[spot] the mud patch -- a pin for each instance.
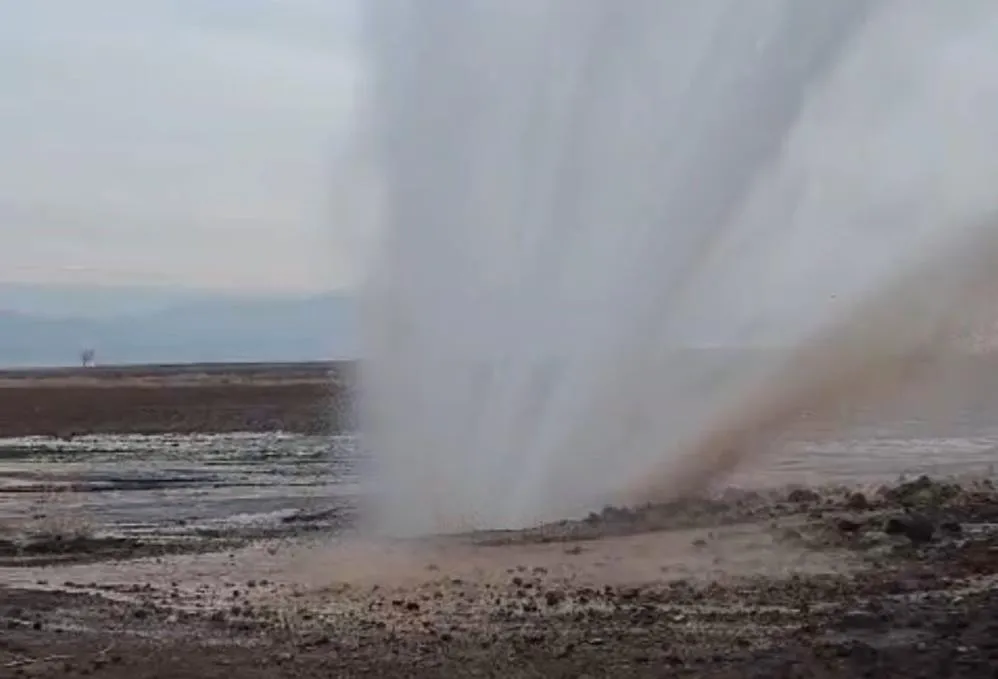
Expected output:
(795, 590)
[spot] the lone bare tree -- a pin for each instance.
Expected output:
(88, 358)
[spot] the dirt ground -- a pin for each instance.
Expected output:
(897, 581)
(894, 582)
(218, 398)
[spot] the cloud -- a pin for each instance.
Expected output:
(176, 141)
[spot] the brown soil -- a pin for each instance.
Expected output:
(303, 398)
(898, 583)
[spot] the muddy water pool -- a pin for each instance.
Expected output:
(171, 483)
(250, 482)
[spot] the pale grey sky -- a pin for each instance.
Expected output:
(179, 142)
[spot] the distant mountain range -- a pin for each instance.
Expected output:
(51, 325)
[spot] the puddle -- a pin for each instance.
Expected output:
(173, 484)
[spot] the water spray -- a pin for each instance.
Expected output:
(625, 244)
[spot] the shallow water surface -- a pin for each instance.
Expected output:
(174, 482)
(246, 482)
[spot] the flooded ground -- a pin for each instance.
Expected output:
(258, 484)
(132, 485)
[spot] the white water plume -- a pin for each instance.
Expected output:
(625, 241)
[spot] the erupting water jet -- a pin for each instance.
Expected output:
(625, 243)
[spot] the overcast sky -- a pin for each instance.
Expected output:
(179, 142)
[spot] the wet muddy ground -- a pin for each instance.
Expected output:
(179, 546)
(899, 582)
(173, 490)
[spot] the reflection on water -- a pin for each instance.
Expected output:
(184, 483)
(136, 483)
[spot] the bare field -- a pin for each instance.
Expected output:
(174, 374)
(206, 398)
(312, 397)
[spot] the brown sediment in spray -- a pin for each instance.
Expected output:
(892, 340)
